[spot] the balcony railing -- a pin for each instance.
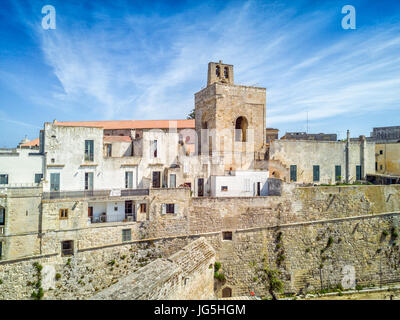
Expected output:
(94, 194)
(112, 218)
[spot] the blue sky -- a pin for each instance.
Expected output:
(116, 60)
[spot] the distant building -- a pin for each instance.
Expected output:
(387, 157)
(271, 134)
(310, 136)
(385, 134)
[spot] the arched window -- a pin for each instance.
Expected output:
(217, 71)
(226, 292)
(226, 72)
(240, 129)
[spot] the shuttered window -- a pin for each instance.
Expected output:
(126, 235)
(293, 173)
(338, 173)
(358, 172)
(89, 150)
(129, 179)
(169, 208)
(3, 178)
(315, 173)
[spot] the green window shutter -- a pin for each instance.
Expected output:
(293, 173)
(315, 173)
(358, 172)
(338, 173)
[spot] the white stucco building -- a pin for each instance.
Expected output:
(20, 167)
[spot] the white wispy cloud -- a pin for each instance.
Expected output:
(148, 66)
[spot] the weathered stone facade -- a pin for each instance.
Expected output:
(187, 275)
(361, 220)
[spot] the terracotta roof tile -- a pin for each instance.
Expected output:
(117, 139)
(33, 143)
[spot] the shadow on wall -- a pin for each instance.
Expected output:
(274, 187)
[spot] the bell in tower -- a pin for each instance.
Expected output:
(219, 72)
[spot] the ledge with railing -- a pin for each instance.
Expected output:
(94, 194)
(112, 218)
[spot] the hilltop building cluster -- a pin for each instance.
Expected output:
(83, 174)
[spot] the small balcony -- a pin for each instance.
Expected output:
(114, 193)
(103, 218)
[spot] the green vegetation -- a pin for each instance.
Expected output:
(190, 115)
(112, 262)
(273, 284)
(38, 284)
(58, 276)
(218, 275)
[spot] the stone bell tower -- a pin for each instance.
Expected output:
(219, 72)
(234, 113)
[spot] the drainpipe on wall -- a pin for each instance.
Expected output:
(347, 157)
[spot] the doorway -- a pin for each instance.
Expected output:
(200, 187)
(90, 213)
(226, 292)
(156, 179)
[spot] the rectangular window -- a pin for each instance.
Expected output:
(88, 180)
(170, 208)
(129, 210)
(172, 180)
(376, 166)
(126, 235)
(200, 187)
(129, 180)
(156, 179)
(132, 149)
(224, 188)
(90, 213)
(293, 173)
(63, 213)
(227, 235)
(154, 149)
(3, 178)
(2, 216)
(380, 151)
(338, 173)
(358, 172)
(89, 150)
(381, 167)
(67, 248)
(143, 208)
(1, 249)
(54, 182)
(108, 150)
(315, 173)
(38, 177)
